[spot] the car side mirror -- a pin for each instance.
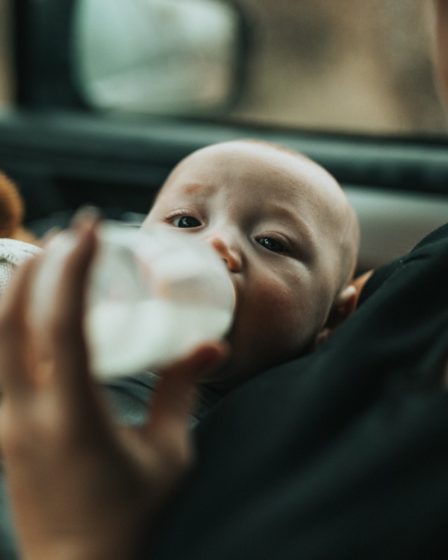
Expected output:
(158, 56)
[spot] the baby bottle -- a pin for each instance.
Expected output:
(152, 296)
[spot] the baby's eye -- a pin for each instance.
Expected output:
(185, 222)
(272, 244)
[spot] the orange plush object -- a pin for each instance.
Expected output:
(11, 212)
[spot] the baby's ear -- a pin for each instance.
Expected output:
(343, 306)
(347, 300)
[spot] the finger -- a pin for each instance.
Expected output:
(49, 236)
(15, 343)
(174, 396)
(67, 341)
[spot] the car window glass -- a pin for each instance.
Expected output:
(155, 55)
(350, 65)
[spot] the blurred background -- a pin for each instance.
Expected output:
(344, 65)
(5, 53)
(356, 64)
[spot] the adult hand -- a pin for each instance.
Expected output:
(81, 487)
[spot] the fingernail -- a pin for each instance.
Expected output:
(85, 216)
(49, 235)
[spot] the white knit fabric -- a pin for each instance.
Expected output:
(12, 254)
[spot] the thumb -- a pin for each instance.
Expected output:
(174, 398)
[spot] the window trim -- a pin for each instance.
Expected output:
(42, 34)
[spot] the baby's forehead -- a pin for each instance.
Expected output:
(258, 172)
(244, 162)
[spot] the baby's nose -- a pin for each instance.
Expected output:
(229, 255)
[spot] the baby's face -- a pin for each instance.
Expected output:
(275, 219)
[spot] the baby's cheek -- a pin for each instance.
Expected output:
(279, 309)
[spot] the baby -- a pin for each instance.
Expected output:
(288, 236)
(289, 239)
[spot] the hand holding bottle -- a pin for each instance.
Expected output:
(79, 486)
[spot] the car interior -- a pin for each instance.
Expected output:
(100, 99)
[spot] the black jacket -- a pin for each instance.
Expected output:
(342, 454)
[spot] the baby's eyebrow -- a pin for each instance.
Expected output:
(198, 188)
(283, 213)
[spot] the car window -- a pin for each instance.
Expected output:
(155, 55)
(350, 66)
